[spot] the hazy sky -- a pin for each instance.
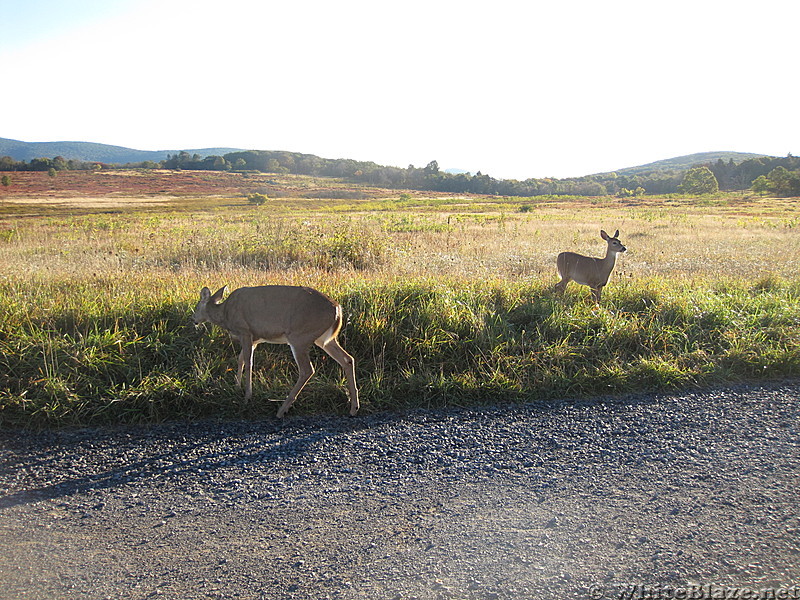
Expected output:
(513, 89)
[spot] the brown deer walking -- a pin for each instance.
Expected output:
(279, 314)
(587, 270)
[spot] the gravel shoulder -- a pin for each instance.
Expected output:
(580, 499)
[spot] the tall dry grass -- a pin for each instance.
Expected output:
(449, 302)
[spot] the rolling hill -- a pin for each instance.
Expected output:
(682, 163)
(90, 152)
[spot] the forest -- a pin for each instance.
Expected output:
(769, 175)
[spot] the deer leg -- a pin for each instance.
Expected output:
(565, 279)
(348, 364)
(240, 367)
(246, 366)
(305, 371)
(596, 292)
(240, 360)
(563, 269)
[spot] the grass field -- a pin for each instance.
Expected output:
(449, 299)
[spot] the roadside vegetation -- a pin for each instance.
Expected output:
(449, 299)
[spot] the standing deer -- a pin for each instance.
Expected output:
(279, 314)
(587, 270)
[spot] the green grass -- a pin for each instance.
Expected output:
(449, 302)
(103, 351)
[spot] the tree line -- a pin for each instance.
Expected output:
(777, 176)
(780, 176)
(59, 163)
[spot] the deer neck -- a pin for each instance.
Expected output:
(609, 261)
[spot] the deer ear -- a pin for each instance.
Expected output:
(616, 233)
(603, 235)
(205, 293)
(217, 297)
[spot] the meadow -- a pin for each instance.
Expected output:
(449, 300)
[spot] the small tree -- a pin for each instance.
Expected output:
(433, 168)
(699, 180)
(780, 182)
(6, 181)
(761, 184)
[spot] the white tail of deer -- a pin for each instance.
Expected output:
(279, 314)
(587, 270)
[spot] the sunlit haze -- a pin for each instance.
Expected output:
(512, 89)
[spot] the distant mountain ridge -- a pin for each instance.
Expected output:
(682, 163)
(91, 152)
(104, 153)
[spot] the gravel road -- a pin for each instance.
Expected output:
(623, 497)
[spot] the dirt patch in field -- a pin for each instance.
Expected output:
(131, 183)
(92, 203)
(128, 187)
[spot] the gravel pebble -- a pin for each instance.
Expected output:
(578, 499)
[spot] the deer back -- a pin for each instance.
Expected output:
(274, 312)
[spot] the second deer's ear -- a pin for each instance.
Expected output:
(217, 297)
(616, 233)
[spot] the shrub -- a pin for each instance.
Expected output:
(257, 199)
